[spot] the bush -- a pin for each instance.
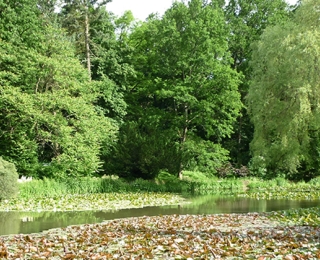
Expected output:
(196, 176)
(315, 181)
(165, 176)
(229, 171)
(8, 180)
(257, 167)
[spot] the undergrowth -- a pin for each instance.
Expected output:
(53, 187)
(193, 183)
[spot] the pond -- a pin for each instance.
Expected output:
(33, 222)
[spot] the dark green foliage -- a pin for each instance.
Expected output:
(142, 153)
(185, 96)
(111, 64)
(74, 15)
(8, 179)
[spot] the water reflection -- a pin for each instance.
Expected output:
(32, 222)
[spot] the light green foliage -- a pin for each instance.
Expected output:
(8, 180)
(24, 14)
(315, 181)
(50, 125)
(301, 217)
(110, 60)
(257, 167)
(197, 176)
(184, 83)
(95, 201)
(52, 120)
(164, 176)
(284, 94)
(247, 19)
(204, 156)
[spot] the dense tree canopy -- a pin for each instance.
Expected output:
(247, 20)
(284, 95)
(185, 86)
(49, 123)
(85, 92)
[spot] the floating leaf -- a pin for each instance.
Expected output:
(227, 236)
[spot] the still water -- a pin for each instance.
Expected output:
(34, 222)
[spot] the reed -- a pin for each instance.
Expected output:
(87, 185)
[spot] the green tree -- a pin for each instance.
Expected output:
(247, 20)
(284, 95)
(185, 86)
(50, 126)
(111, 60)
(142, 151)
(25, 14)
(76, 18)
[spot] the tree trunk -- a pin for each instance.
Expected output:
(87, 37)
(183, 140)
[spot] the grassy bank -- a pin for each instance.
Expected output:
(108, 193)
(111, 193)
(53, 187)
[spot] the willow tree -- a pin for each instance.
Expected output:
(284, 96)
(247, 20)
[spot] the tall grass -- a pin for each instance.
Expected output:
(52, 187)
(192, 184)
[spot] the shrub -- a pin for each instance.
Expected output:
(229, 171)
(165, 176)
(196, 176)
(315, 181)
(8, 179)
(146, 185)
(257, 167)
(281, 182)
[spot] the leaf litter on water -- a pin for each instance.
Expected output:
(224, 236)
